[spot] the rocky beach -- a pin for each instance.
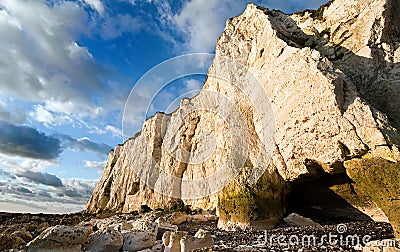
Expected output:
(45, 232)
(291, 145)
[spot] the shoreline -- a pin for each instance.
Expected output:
(27, 226)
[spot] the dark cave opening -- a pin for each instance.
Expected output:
(325, 199)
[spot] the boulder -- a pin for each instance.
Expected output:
(164, 226)
(60, 238)
(295, 219)
(10, 241)
(103, 241)
(198, 218)
(202, 239)
(211, 217)
(378, 179)
(178, 218)
(136, 240)
(158, 247)
(172, 241)
(24, 234)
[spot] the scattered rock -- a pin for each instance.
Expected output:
(198, 218)
(211, 217)
(25, 235)
(171, 241)
(164, 226)
(144, 224)
(295, 219)
(107, 240)
(60, 238)
(158, 247)
(10, 241)
(178, 218)
(386, 245)
(202, 239)
(136, 240)
(166, 238)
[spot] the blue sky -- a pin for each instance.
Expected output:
(66, 70)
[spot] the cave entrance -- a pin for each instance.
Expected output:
(325, 198)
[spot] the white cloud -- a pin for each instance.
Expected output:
(42, 62)
(16, 163)
(94, 164)
(114, 131)
(97, 5)
(48, 118)
(193, 85)
(203, 21)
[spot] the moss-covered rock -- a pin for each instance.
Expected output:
(178, 205)
(244, 205)
(378, 179)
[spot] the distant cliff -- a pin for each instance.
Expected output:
(330, 99)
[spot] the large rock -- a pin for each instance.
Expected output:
(10, 241)
(60, 238)
(103, 241)
(178, 218)
(136, 240)
(202, 239)
(294, 219)
(171, 240)
(326, 87)
(378, 179)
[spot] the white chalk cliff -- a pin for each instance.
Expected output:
(324, 89)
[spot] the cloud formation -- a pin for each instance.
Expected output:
(97, 5)
(84, 144)
(42, 62)
(41, 178)
(94, 164)
(27, 142)
(21, 196)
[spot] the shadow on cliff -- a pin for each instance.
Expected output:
(367, 74)
(323, 199)
(313, 196)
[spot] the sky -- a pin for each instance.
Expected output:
(66, 71)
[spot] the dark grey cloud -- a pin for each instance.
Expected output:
(27, 142)
(69, 193)
(72, 195)
(41, 178)
(84, 144)
(22, 189)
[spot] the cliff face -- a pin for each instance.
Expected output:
(324, 90)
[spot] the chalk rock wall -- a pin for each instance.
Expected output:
(288, 98)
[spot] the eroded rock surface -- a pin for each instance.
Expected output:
(60, 238)
(331, 78)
